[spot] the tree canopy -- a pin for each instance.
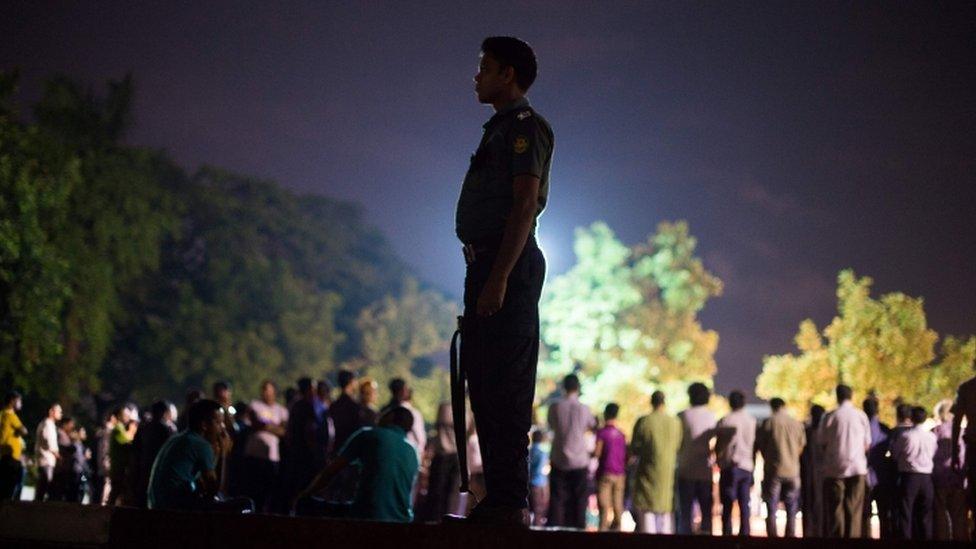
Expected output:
(625, 319)
(125, 276)
(879, 346)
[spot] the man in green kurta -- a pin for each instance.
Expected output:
(656, 439)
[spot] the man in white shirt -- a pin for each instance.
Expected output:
(401, 394)
(46, 451)
(262, 451)
(735, 440)
(913, 451)
(695, 461)
(845, 436)
(569, 420)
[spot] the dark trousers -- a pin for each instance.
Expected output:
(568, 496)
(259, 481)
(915, 495)
(442, 486)
(11, 478)
(500, 353)
(844, 502)
(786, 490)
(691, 492)
(882, 495)
(734, 485)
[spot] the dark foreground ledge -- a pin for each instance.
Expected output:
(70, 525)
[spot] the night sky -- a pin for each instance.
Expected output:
(796, 139)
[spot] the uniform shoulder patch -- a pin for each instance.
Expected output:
(523, 115)
(521, 144)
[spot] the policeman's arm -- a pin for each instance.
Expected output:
(517, 228)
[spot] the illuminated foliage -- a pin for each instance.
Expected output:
(399, 336)
(625, 319)
(877, 346)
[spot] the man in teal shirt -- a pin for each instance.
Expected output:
(388, 466)
(183, 475)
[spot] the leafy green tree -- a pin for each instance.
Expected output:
(35, 276)
(625, 319)
(99, 215)
(882, 347)
(401, 335)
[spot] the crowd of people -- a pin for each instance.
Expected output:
(839, 468)
(312, 454)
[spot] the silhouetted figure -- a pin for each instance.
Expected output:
(655, 443)
(965, 409)
(569, 420)
(949, 520)
(734, 448)
(811, 471)
(695, 461)
(913, 451)
(304, 454)
(611, 472)
(505, 188)
(401, 395)
(262, 450)
(845, 436)
(389, 469)
(881, 474)
(538, 480)
(12, 431)
(148, 440)
(46, 451)
(781, 439)
(184, 475)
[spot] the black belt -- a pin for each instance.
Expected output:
(488, 244)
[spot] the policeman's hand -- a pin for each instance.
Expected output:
(492, 296)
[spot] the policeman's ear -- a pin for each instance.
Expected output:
(508, 74)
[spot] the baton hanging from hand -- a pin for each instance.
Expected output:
(458, 408)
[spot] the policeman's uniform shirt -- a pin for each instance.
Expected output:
(516, 141)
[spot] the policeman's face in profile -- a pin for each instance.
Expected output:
(492, 81)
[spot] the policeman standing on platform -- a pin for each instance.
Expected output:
(504, 191)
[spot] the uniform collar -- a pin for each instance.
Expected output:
(519, 103)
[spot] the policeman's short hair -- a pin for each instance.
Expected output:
(512, 52)
(698, 394)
